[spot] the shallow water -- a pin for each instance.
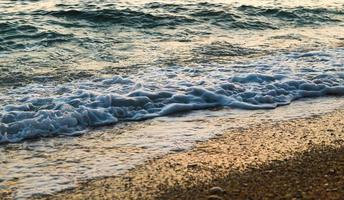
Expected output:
(45, 110)
(52, 164)
(71, 68)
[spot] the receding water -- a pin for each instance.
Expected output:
(52, 164)
(71, 68)
(45, 110)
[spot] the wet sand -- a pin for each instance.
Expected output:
(300, 158)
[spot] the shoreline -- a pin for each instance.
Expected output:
(158, 100)
(232, 160)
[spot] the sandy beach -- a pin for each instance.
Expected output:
(294, 159)
(158, 99)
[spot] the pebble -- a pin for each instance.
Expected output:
(214, 197)
(332, 171)
(216, 190)
(192, 165)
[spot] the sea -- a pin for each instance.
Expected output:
(94, 88)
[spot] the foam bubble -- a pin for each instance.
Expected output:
(48, 110)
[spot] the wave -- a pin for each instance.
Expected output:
(266, 84)
(18, 36)
(152, 15)
(68, 115)
(125, 17)
(298, 15)
(37, 27)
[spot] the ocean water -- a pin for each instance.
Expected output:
(75, 68)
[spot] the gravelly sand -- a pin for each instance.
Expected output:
(301, 158)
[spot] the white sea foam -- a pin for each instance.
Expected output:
(49, 110)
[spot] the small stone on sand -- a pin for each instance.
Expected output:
(214, 197)
(216, 190)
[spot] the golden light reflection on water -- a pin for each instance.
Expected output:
(265, 41)
(53, 164)
(159, 50)
(101, 150)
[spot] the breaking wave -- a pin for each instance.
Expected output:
(265, 84)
